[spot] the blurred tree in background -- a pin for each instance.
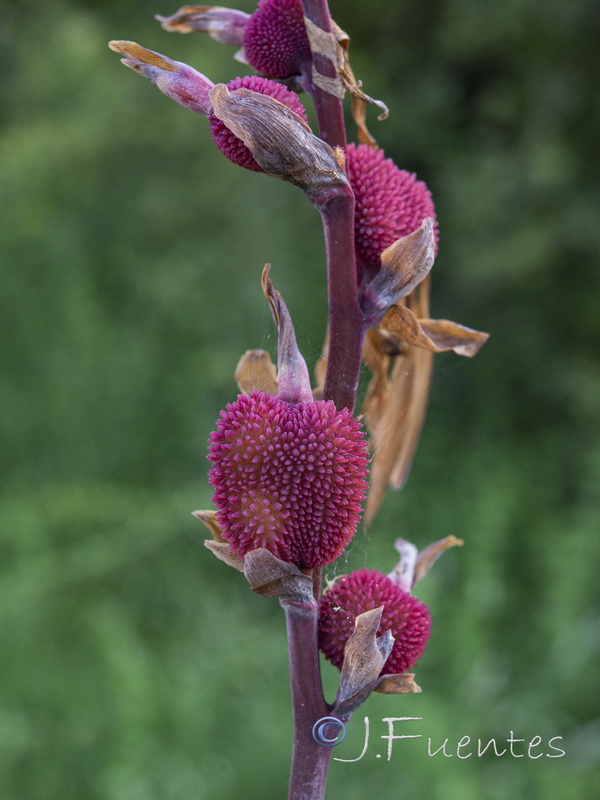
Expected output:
(132, 664)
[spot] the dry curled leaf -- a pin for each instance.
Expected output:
(402, 683)
(209, 518)
(430, 555)
(354, 86)
(438, 336)
(334, 49)
(256, 372)
(364, 656)
(447, 335)
(222, 551)
(321, 369)
(396, 401)
(394, 411)
(217, 545)
(358, 109)
(399, 353)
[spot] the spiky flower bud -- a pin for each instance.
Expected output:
(406, 617)
(288, 477)
(390, 203)
(229, 144)
(275, 40)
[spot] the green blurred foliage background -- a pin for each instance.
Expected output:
(133, 664)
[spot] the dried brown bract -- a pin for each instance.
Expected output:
(399, 353)
(256, 372)
(364, 657)
(280, 141)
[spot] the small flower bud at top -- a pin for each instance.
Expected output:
(407, 618)
(275, 40)
(178, 81)
(390, 203)
(288, 477)
(229, 144)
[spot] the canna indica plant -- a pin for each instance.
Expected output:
(291, 463)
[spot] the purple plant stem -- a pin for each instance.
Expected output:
(346, 323)
(310, 761)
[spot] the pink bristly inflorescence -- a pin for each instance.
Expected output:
(287, 477)
(227, 142)
(407, 618)
(390, 202)
(275, 40)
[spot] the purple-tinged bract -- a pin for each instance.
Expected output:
(275, 40)
(390, 202)
(288, 477)
(229, 144)
(404, 615)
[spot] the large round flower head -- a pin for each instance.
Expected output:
(406, 617)
(227, 142)
(275, 40)
(288, 477)
(390, 202)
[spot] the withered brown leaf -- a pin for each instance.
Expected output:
(402, 683)
(394, 412)
(223, 552)
(280, 141)
(208, 517)
(364, 656)
(399, 353)
(436, 335)
(335, 47)
(430, 554)
(256, 372)
(272, 577)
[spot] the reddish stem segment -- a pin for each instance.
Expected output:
(346, 323)
(310, 761)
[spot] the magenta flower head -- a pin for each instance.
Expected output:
(390, 203)
(406, 617)
(275, 40)
(289, 477)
